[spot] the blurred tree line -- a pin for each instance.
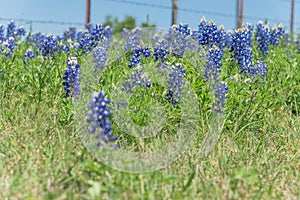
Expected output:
(129, 23)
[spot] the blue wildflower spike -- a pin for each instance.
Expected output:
(161, 50)
(209, 34)
(242, 49)
(70, 33)
(261, 70)
(92, 37)
(276, 33)
(98, 32)
(133, 38)
(176, 82)
(11, 28)
(221, 91)
(29, 54)
(20, 31)
(100, 54)
(263, 37)
(212, 73)
(180, 39)
(203, 32)
(86, 42)
(2, 36)
(213, 64)
(98, 117)
(136, 53)
(48, 45)
(71, 77)
(8, 47)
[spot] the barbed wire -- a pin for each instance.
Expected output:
(290, 1)
(170, 7)
(194, 10)
(29, 21)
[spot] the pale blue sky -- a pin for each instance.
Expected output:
(222, 12)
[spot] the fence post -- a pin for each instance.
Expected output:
(292, 17)
(88, 13)
(174, 11)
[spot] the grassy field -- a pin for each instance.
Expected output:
(257, 155)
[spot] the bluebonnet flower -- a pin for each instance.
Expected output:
(161, 50)
(249, 33)
(137, 79)
(176, 82)
(108, 32)
(263, 37)
(48, 45)
(35, 38)
(71, 77)
(195, 34)
(8, 47)
(11, 27)
(98, 32)
(29, 54)
(59, 39)
(213, 64)
(70, 33)
(221, 91)
(222, 40)
(184, 29)
(100, 54)
(65, 48)
(229, 40)
(136, 54)
(203, 32)
(93, 37)
(20, 31)
(180, 38)
(2, 37)
(276, 33)
(89, 40)
(213, 33)
(260, 69)
(86, 42)
(98, 117)
(133, 38)
(170, 97)
(146, 51)
(135, 58)
(208, 34)
(79, 35)
(89, 28)
(242, 49)
(212, 73)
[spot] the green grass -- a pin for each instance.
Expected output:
(256, 157)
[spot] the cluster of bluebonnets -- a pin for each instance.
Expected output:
(179, 39)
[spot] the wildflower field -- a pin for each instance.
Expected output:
(177, 113)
